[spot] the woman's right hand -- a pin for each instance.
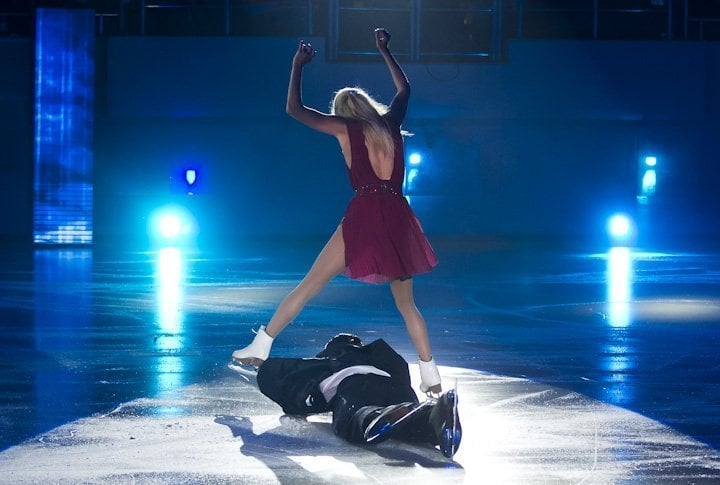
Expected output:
(303, 55)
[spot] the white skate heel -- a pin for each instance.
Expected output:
(429, 377)
(257, 352)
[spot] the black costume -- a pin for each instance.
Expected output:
(365, 405)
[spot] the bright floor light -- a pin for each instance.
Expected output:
(620, 227)
(171, 224)
(415, 158)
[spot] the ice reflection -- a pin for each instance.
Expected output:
(169, 280)
(616, 353)
(619, 286)
(63, 305)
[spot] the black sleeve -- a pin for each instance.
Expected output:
(384, 357)
(379, 354)
(293, 384)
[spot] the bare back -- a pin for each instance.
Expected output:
(381, 164)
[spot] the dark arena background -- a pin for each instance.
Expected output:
(158, 203)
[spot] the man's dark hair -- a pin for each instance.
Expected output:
(339, 343)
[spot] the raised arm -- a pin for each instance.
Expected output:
(332, 125)
(399, 104)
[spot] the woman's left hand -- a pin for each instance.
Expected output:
(382, 37)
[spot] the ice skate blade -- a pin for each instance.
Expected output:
(244, 369)
(383, 425)
(248, 361)
(433, 391)
(451, 435)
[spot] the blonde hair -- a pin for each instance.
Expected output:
(357, 104)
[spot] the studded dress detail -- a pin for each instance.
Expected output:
(383, 237)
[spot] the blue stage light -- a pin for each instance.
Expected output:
(649, 181)
(620, 228)
(415, 158)
(63, 154)
(411, 176)
(190, 176)
(172, 224)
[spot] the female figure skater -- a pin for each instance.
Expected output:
(379, 239)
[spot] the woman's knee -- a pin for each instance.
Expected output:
(406, 306)
(306, 290)
(402, 294)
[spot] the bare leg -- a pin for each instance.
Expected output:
(329, 263)
(403, 293)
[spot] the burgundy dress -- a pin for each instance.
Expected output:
(383, 238)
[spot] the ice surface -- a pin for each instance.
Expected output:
(515, 431)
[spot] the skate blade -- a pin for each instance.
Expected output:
(243, 369)
(249, 361)
(370, 437)
(452, 436)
